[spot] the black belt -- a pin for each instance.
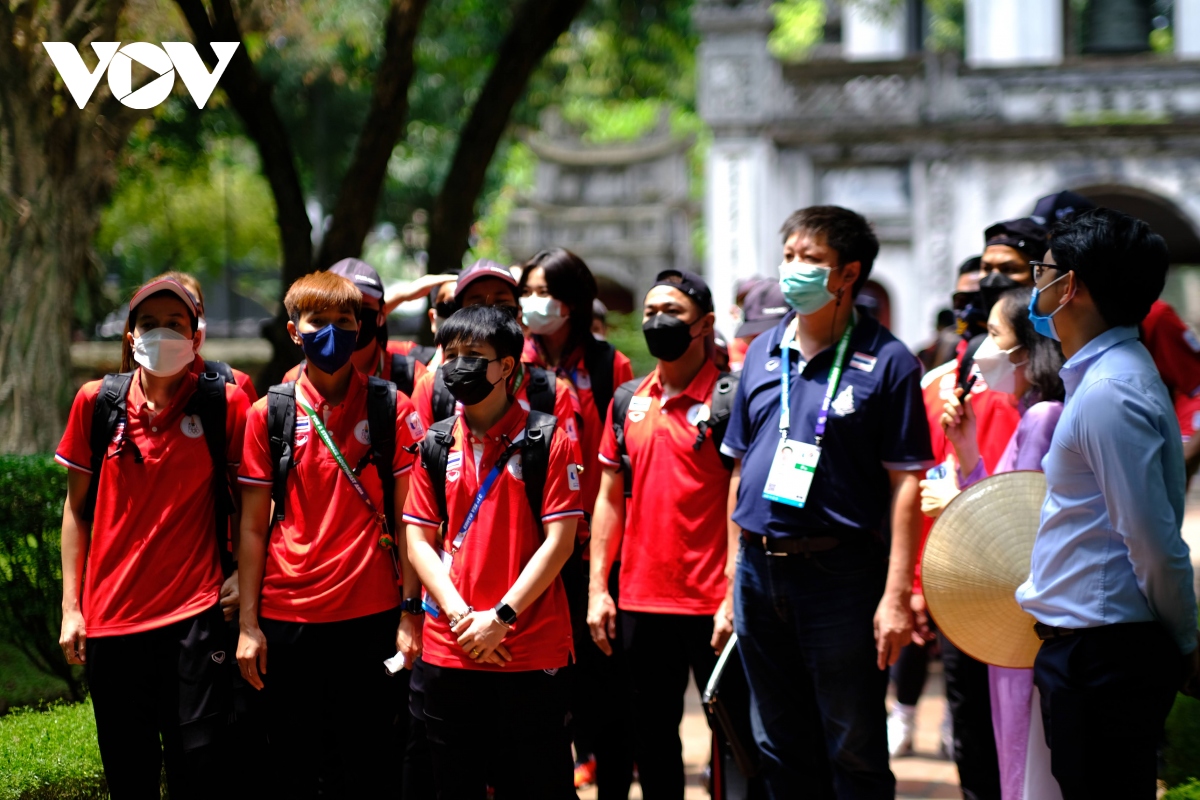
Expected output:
(1048, 632)
(790, 545)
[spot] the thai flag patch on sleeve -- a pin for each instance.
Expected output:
(863, 361)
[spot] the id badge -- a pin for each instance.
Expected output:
(427, 602)
(792, 472)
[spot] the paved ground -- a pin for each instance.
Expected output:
(921, 776)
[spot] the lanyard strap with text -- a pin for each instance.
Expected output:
(385, 541)
(481, 495)
(835, 377)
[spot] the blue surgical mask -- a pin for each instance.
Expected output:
(329, 348)
(803, 286)
(1044, 323)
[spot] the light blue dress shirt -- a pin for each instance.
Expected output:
(1109, 548)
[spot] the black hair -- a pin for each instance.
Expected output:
(1119, 258)
(971, 265)
(571, 283)
(945, 318)
(1045, 356)
(483, 324)
(847, 233)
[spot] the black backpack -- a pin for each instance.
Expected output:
(208, 403)
(535, 459)
(402, 371)
(423, 353)
(717, 422)
(222, 369)
(598, 357)
(540, 393)
(381, 423)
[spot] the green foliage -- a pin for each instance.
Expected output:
(625, 334)
(1185, 791)
(799, 25)
(51, 754)
(1182, 751)
(23, 684)
(947, 26)
(32, 489)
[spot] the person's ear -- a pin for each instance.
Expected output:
(850, 273)
(294, 334)
(1071, 287)
(512, 366)
(196, 341)
(706, 324)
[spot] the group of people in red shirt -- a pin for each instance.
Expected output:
(415, 589)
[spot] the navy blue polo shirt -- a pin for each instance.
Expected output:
(877, 422)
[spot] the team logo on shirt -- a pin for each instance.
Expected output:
(303, 426)
(119, 431)
(219, 657)
(569, 427)
(453, 466)
(514, 467)
(698, 413)
(191, 427)
(573, 477)
(415, 429)
(583, 380)
(863, 361)
(636, 416)
(772, 364)
(362, 432)
(844, 404)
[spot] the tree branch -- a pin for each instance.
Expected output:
(535, 28)
(354, 212)
(250, 96)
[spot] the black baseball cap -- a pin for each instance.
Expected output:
(763, 308)
(1023, 234)
(1056, 207)
(362, 275)
(690, 284)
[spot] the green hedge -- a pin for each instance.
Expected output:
(46, 755)
(1182, 752)
(32, 491)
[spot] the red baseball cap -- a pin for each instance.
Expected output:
(165, 285)
(483, 268)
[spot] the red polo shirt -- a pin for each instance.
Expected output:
(324, 562)
(1174, 347)
(152, 559)
(675, 541)
(591, 418)
(244, 384)
(500, 543)
(393, 348)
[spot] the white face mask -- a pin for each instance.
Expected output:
(994, 365)
(163, 352)
(542, 315)
(202, 329)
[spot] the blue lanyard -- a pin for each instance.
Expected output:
(481, 495)
(785, 383)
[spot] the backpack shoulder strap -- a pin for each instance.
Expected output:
(719, 412)
(423, 353)
(402, 372)
(620, 403)
(535, 459)
(435, 451)
(222, 369)
(208, 403)
(381, 425)
(108, 412)
(441, 401)
(598, 357)
(281, 430)
(541, 390)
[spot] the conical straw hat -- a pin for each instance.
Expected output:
(975, 558)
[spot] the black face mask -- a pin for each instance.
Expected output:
(667, 337)
(466, 379)
(369, 329)
(993, 285)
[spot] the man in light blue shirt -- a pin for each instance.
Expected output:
(1111, 583)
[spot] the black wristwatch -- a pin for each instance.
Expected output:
(412, 606)
(505, 613)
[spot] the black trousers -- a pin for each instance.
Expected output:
(970, 701)
(507, 730)
(909, 673)
(330, 707)
(1106, 693)
(164, 695)
(660, 650)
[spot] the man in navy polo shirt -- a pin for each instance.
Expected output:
(830, 428)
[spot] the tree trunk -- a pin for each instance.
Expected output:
(535, 28)
(56, 171)
(354, 212)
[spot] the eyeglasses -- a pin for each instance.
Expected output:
(1040, 267)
